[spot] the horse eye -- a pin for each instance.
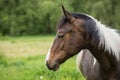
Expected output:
(60, 35)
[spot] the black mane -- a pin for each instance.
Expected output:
(63, 20)
(81, 15)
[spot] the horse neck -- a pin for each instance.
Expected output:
(104, 58)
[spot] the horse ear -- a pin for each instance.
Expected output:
(68, 15)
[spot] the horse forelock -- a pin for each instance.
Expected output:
(60, 24)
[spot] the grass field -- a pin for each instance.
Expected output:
(22, 58)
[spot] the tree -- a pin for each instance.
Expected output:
(23, 17)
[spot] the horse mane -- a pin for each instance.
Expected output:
(63, 20)
(106, 37)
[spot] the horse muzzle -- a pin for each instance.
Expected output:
(52, 66)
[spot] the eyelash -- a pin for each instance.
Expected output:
(60, 35)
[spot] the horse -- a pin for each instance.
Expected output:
(97, 46)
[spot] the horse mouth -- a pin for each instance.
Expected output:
(55, 67)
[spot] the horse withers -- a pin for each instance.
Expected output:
(98, 47)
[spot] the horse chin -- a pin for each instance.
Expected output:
(56, 68)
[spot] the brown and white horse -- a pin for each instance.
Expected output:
(99, 47)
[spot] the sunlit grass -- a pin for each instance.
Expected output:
(33, 68)
(25, 46)
(30, 65)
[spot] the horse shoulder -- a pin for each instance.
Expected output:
(88, 65)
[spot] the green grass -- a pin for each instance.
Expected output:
(33, 67)
(25, 46)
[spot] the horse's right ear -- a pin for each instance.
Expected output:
(68, 15)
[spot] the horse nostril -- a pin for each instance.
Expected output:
(47, 65)
(53, 66)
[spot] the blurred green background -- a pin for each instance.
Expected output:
(23, 58)
(34, 17)
(27, 29)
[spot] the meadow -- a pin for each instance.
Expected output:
(23, 58)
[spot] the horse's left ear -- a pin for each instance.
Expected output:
(68, 15)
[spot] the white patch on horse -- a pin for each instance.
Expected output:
(48, 55)
(94, 62)
(79, 58)
(109, 38)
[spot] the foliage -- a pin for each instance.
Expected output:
(32, 17)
